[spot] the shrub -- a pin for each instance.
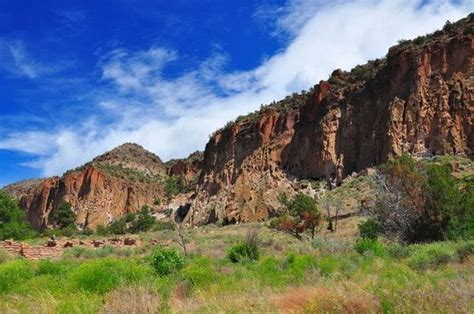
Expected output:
(102, 230)
(247, 251)
(369, 229)
(243, 252)
(64, 216)
(163, 225)
(420, 202)
(118, 226)
(364, 246)
(166, 261)
(13, 223)
(143, 222)
(302, 213)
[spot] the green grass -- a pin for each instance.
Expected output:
(327, 275)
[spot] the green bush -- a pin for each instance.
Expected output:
(166, 261)
(163, 225)
(424, 203)
(364, 246)
(243, 252)
(118, 226)
(13, 223)
(143, 222)
(64, 216)
(369, 229)
(433, 255)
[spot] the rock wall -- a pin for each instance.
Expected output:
(419, 100)
(96, 197)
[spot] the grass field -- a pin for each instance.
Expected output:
(325, 275)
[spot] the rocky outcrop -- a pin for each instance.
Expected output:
(120, 181)
(418, 100)
(189, 168)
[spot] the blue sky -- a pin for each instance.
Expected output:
(78, 78)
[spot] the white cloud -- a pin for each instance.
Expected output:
(173, 116)
(16, 60)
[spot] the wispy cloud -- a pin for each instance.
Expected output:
(16, 60)
(172, 116)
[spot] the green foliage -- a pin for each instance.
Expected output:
(422, 202)
(243, 252)
(143, 222)
(175, 185)
(64, 216)
(301, 213)
(431, 256)
(200, 273)
(130, 174)
(102, 230)
(365, 246)
(369, 229)
(103, 275)
(118, 226)
(247, 251)
(398, 251)
(164, 225)
(13, 223)
(166, 261)
(14, 273)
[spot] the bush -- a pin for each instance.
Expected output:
(64, 216)
(433, 255)
(166, 261)
(302, 213)
(364, 246)
(247, 251)
(143, 222)
(243, 252)
(369, 229)
(118, 226)
(13, 223)
(422, 202)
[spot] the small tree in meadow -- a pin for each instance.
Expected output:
(301, 214)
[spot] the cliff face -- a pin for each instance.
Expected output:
(120, 181)
(419, 100)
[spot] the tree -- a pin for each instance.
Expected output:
(13, 223)
(301, 214)
(64, 216)
(419, 202)
(144, 221)
(170, 188)
(331, 203)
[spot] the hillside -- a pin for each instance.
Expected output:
(416, 100)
